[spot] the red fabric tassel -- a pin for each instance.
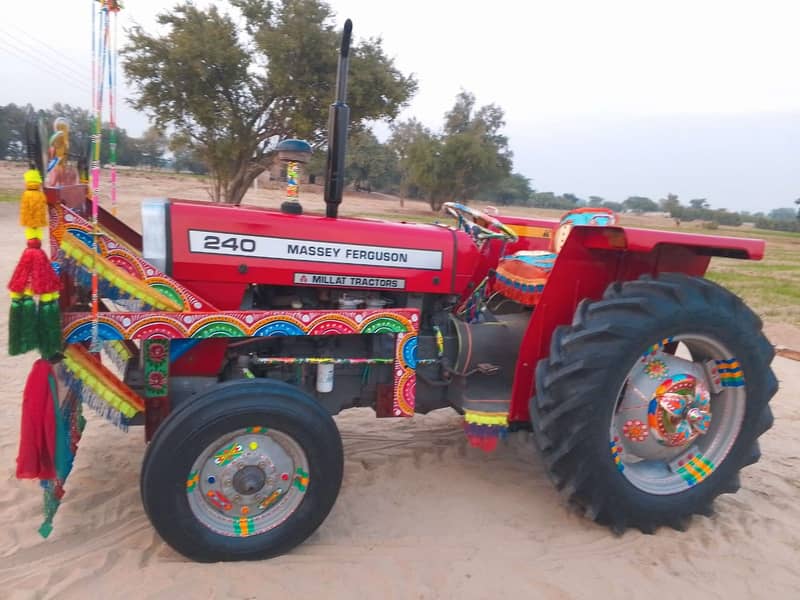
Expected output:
(37, 439)
(34, 271)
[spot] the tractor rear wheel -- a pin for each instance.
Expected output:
(247, 470)
(652, 401)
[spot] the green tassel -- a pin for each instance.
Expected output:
(46, 529)
(51, 503)
(27, 325)
(15, 327)
(49, 328)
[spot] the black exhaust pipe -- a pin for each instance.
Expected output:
(338, 119)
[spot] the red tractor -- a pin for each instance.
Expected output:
(238, 331)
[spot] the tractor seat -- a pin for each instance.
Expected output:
(522, 276)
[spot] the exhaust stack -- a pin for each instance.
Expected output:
(338, 120)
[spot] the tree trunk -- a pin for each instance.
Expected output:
(241, 181)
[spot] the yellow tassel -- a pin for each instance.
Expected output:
(33, 207)
(34, 232)
(474, 417)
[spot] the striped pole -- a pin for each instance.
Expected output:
(112, 101)
(102, 40)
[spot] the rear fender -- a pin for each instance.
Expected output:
(593, 258)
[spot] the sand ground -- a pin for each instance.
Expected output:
(420, 515)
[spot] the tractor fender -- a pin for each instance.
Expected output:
(594, 257)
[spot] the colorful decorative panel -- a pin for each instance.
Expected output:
(63, 220)
(401, 323)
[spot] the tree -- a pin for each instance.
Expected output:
(152, 146)
(550, 200)
(670, 203)
(404, 135)
(513, 189)
(13, 142)
(798, 208)
(422, 167)
(782, 214)
(596, 201)
(615, 206)
(12, 131)
(470, 155)
(370, 164)
(699, 203)
(269, 78)
(639, 204)
(184, 158)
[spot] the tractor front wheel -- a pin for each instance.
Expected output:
(652, 401)
(247, 470)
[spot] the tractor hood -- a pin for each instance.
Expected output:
(218, 250)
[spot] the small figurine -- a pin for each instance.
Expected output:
(60, 174)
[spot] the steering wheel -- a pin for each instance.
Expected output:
(477, 223)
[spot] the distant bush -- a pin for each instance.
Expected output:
(551, 200)
(720, 216)
(778, 225)
(615, 206)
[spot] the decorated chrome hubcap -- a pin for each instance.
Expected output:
(248, 482)
(677, 415)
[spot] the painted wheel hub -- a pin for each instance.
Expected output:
(679, 411)
(662, 434)
(665, 407)
(248, 482)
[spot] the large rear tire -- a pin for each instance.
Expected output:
(247, 470)
(635, 435)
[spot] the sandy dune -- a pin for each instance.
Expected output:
(420, 515)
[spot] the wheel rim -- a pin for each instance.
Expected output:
(248, 482)
(677, 417)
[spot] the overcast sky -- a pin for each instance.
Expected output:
(615, 98)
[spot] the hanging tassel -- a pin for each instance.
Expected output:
(37, 440)
(49, 325)
(68, 429)
(29, 328)
(26, 325)
(16, 338)
(34, 271)
(53, 492)
(485, 429)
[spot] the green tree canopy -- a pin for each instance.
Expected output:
(512, 189)
(782, 214)
(669, 203)
(12, 131)
(131, 151)
(611, 205)
(699, 203)
(639, 204)
(370, 165)
(596, 200)
(471, 155)
(269, 74)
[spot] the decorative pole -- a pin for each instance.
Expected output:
(113, 8)
(102, 61)
(294, 153)
(102, 40)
